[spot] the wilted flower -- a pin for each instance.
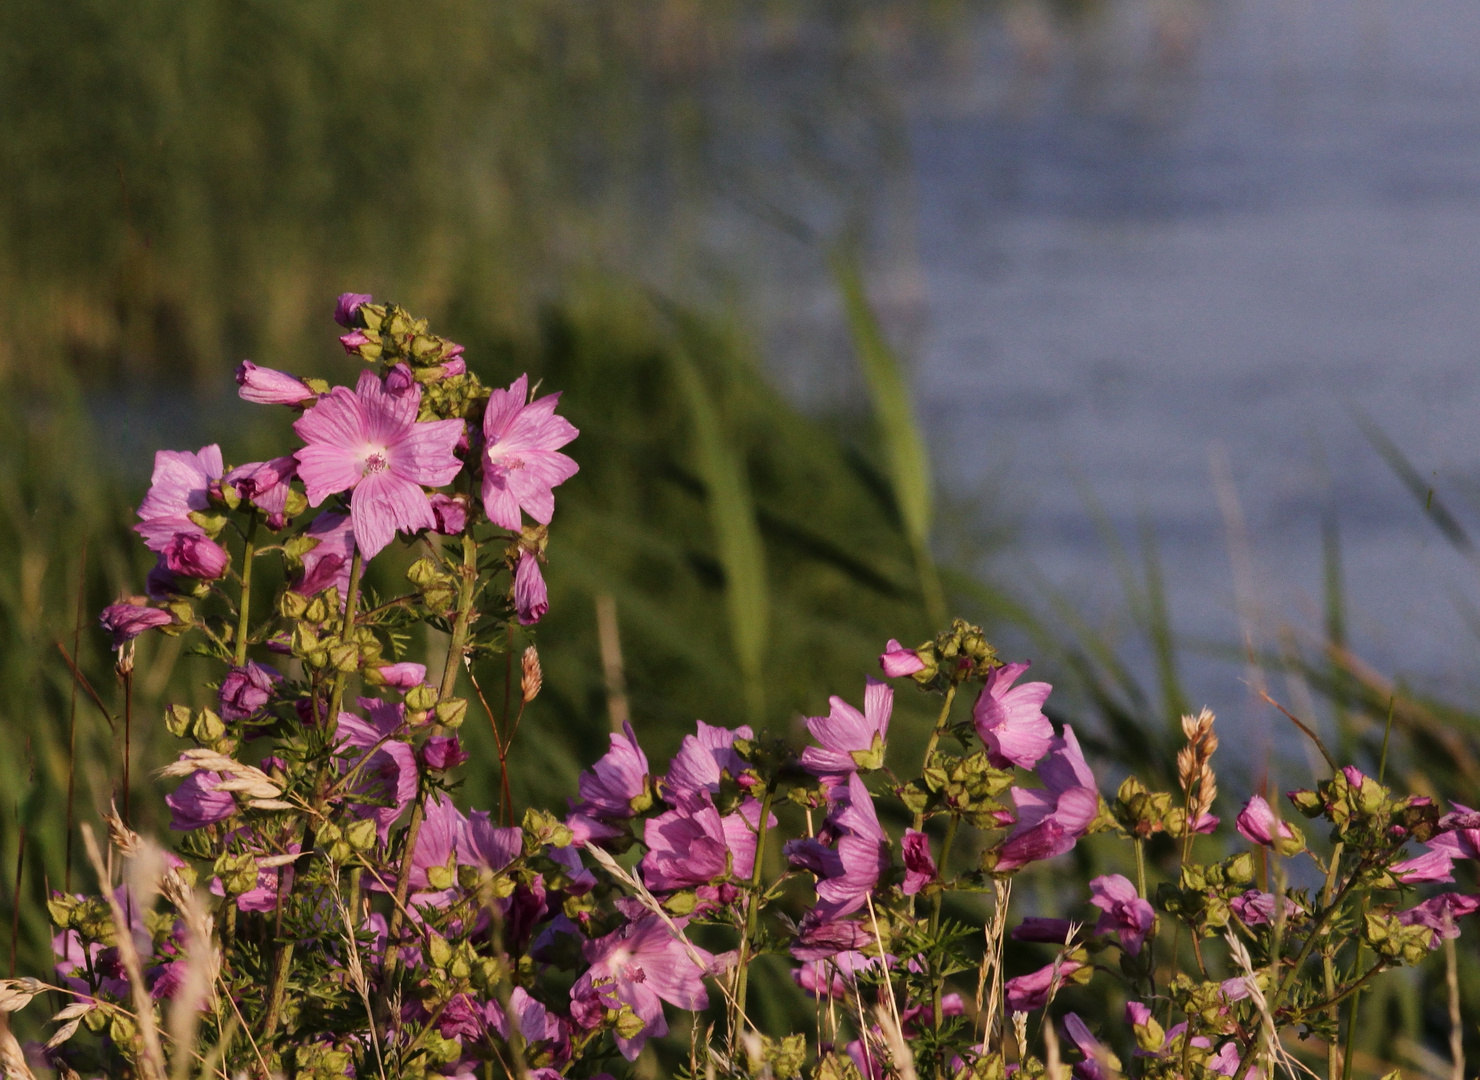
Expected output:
(919, 864)
(617, 786)
(442, 752)
(196, 803)
(195, 555)
(521, 464)
(1010, 718)
(451, 514)
(369, 442)
(329, 562)
(129, 618)
(266, 485)
(531, 600)
(347, 307)
(1441, 914)
(264, 386)
(1126, 913)
(1256, 908)
(1038, 928)
(245, 690)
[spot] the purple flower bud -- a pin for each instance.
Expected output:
(443, 752)
(1029, 992)
(161, 584)
(919, 865)
(531, 600)
(403, 676)
(129, 618)
(1256, 823)
(347, 307)
(451, 367)
(897, 661)
(451, 514)
(1441, 914)
(196, 803)
(265, 386)
(245, 690)
(353, 340)
(1137, 1014)
(1038, 928)
(1126, 914)
(1256, 908)
(399, 380)
(196, 556)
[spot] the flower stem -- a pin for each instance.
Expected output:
(752, 911)
(244, 607)
(455, 650)
(939, 980)
(346, 626)
(935, 734)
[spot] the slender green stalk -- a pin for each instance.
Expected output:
(455, 650)
(244, 607)
(939, 980)
(752, 912)
(282, 961)
(935, 734)
(1328, 967)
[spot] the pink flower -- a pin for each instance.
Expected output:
(1461, 836)
(1010, 719)
(1126, 914)
(403, 676)
(702, 761)
(848, 873)
(531, 599)
(695, 846)
(919, 864)
(266, 485)
(821, 938)
(1095, 1052)
(1441, 914)
(617, 786)
(1430, 866)
(521, 465)
(835, 977)
(180, 484)
(451, 514)
(1029, 992)
(1256, 823)
(641, 965)
(264, 386)
(388, 781)
(897, 661)
(129, 618)
(245, 690)
(1256, 908)
(442, 752)
(850, 739)
(1051, 819)
(196, 803)
(357, 340)
(347, 307)
(369, 442)
(195, 555)
(329, 561)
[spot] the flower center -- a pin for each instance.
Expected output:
(375, 462)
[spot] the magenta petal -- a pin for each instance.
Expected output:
(383, 503)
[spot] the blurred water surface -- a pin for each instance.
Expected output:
(1171, 233)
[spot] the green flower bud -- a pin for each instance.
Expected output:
(177, 720)
(452, 712)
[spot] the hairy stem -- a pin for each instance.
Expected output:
(938, 981)
(935, 734)
(244, 606)
(752, 912)
(455, 650)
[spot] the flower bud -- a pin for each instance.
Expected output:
(443, 752)
(265, 386)
(193, 555)
(897, 661)
(451, 514)
(531, 599)
(347, 308)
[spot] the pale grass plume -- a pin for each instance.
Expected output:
(531, 677)
(252, 783)
(1053, 1062)
(1272, 1051)
(12, 1059)
(899, 1050)
(1194, 764)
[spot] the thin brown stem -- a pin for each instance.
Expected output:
(935, 733)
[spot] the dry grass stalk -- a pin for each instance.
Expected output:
(1053, 1062)
(1456, 1022)
(151, 1057)
(261, 793)
(1194, 764)
(12, 1059)
(899, 1051)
